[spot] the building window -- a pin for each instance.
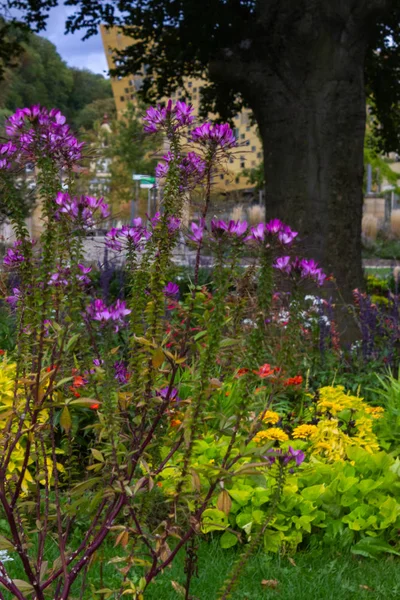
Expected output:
(179, 93)
(131, 82)
(253, 148)
(122, 98)
(109, 51)
(132, 96)
(221, 176)
(242, 164)
(190, 84)
(248, 128)
(242, 136)
(195, 89)
(247, 142)
(126, 90)
(259, 154)
(253, 163)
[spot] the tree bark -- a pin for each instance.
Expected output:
(302, 74)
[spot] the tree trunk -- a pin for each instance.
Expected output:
(302, 74)
(313, 162)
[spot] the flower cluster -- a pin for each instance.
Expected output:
(99, 311)
(82, 208)
(191, 169)
(35, 133)
(216, 136)
(265, 233)
(14, 257)
(171, 290)
(122, 374)
(62, 276)
(168, 118)
(303, 267)
(128, 237)
(232, 228)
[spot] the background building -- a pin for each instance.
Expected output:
(249, 152)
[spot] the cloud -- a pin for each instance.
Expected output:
(88, 54)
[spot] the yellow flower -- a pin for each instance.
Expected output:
(375, 411)
(271, 417)
(271, 434)
(304, 431)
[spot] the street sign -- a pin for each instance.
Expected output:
(144, 178)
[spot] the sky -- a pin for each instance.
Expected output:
(76, 53)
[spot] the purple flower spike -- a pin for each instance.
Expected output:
(121, 372)
(171, 290)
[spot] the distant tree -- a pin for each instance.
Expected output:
(131, 151)
(92, 113)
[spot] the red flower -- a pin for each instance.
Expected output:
(2, 352)
(266, 371)
(74, 392)
(94, 406)
(241, 372)
(79, 381)
(298, 380)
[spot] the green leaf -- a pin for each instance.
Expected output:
(372, 547)
(214, 520)
(228, 540)
(23, 586)
(65, 419)
(272, 540)
(242, 497)
(6, 544)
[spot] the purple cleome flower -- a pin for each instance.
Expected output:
(197, 231)
(36, 132)
(84, 277)
(13, 300)
(218, 136)
(192, 168)
(264, 232)
(13, 257)
(168, 118)
(305, 268)
(171, 290)
(128, 237)
(98, 311)
(283, 264)
(83, 207)
(232, 228)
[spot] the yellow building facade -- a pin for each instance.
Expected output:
(248, 154)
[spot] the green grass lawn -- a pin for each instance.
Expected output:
(313, 575)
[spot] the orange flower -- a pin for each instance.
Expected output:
(298, 380)
(94, 406)
(176, 422)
